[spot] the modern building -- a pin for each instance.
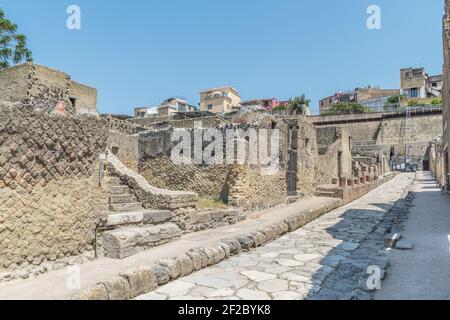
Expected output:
(368, 96)
(415, 83)
(260, 104)
(219, 100)
(169, 107)
(145, 112)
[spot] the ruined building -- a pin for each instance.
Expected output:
(43, 88)
(75, 186)
(439, 149)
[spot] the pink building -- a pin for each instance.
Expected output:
(262, 104)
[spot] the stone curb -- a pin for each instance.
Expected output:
(128, 285)
(145, 279)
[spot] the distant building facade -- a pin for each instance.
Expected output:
(169, 107)
(371, 97)
(145, 112)
(415, 83)
(220, 100)
(260, 104)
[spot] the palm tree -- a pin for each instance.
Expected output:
(13, 48)
(298, 105)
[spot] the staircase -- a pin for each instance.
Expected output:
(122, 199)
(130, 228)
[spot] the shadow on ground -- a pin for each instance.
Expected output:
(343, 275)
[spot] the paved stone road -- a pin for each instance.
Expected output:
(326, 259)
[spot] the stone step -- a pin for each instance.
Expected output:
(124, 207)
(115, 181)
(146, 216)
(124, 242)
(122, 198)
(120, 189)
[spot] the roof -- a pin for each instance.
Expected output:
(219, 88)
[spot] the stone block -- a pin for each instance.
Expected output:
(202, 217)
(233, 244)
(217, 215)
(124, 242)
(124, 218)
(210, 256)
(246, 241)
(172, 265)
(404, 245)
(260, 239)
(268, 232)
(97, 292)
(157, 216)
(222, 253)
(391, 239)
(141, 280)
(226, 248)
(231, 213)
(118, 288)
(186, 265)
(162, 274)
(196, 258)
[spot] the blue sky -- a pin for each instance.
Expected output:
(139, 52)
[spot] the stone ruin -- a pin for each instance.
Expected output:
(75, 186)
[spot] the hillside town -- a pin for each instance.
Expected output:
(224, 198)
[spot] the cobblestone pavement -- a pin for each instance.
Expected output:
(326, 259)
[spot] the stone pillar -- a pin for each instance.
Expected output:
(343, 182)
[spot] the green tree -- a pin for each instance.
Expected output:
(298, 105)
(345, 108)
(395, 99)
(13, 45)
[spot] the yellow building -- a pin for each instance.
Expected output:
(219, 100)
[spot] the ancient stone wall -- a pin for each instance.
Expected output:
(85, 98)
(179, 122)
(46, 89)
(307, 158)
(362, 131)
(244, 186)
(335, 154)
(253, 189)
(125, 147)
(446, 95)
(50, 199)
(13, 84)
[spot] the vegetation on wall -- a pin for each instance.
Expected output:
(396, 99)
(346, 108)
(298, 105)
(13, 45)
(436, 102)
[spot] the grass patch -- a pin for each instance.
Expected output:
(205, 203)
